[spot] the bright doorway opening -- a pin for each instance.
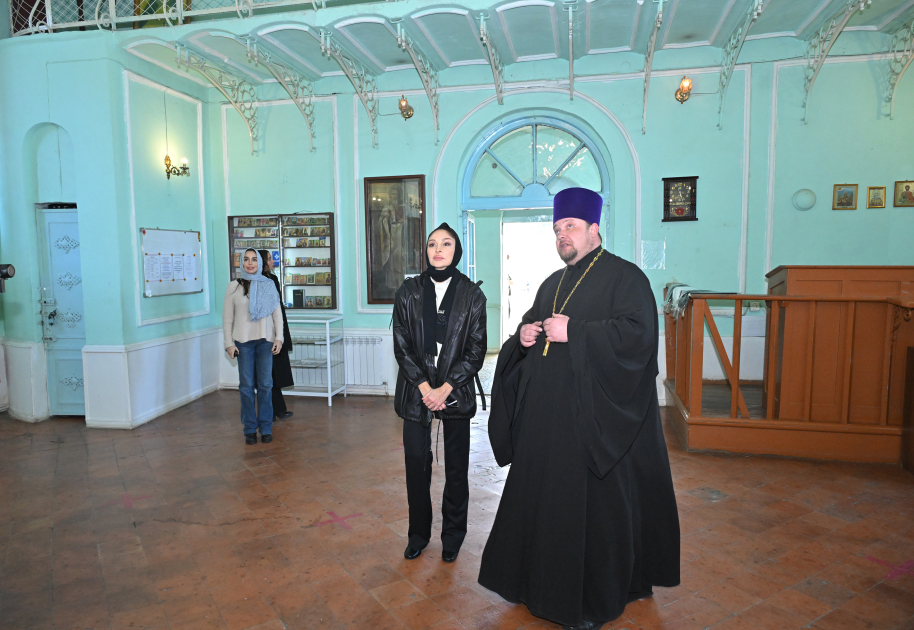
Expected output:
(528, 258)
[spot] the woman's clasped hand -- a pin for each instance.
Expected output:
(435, 399)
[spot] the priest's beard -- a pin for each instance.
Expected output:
(572, 252)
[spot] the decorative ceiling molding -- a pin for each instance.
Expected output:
(674, 4)
(818, 46)
(428, 74)
(196, 41)
(267, 35)
(133, 47)
(902, 50)
(523, 4)
(498, 69)
(720, 23)
(730, 53)
(635, 22)
(364, 83)
(418, 20)
(299, 89)
(239, 92)
(588, 26)
(649, 61)
(342, 28)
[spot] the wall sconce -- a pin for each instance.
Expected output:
(406, 110)
(6, 272)
(685, 90)
(174, 170)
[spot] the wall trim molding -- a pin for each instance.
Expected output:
(134, 238)
(152, 343)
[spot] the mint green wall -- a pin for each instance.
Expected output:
(76, 81)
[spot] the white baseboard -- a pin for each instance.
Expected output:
(27, 380)
(4, 386)
(127, 386)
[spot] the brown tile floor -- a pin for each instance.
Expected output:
(179, 525)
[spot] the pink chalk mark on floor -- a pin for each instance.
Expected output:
(897, 570)
(127, 500)
(338, 519)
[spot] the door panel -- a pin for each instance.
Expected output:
(62, 307)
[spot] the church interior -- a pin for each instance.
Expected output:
(336, 134)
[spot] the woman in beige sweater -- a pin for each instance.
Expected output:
(252, 329)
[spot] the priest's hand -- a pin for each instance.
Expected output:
(556, 328)
(529, 333)
(435, 399)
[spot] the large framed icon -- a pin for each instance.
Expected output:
(395, 233)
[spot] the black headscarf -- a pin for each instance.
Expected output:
(434, 320)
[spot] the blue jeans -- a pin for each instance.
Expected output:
(255, 358)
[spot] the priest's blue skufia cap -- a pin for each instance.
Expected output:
(577, 203)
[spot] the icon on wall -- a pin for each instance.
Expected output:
(904, 194)
(679, 198)
(844, 197)
(875, 197)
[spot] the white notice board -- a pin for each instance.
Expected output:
(172, 262)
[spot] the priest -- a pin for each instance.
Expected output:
(587, 522)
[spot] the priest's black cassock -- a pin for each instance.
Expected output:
(588, 519)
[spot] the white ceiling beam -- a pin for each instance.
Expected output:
(498, 69)
(364, 83)
(730, 53)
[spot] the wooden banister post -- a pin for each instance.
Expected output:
(810, 364)
(772, 358)
(737, 345)
(696, 356)
(848, 362)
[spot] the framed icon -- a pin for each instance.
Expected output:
(844, 197)
(680, 196)
(904, 194)
(875, 197)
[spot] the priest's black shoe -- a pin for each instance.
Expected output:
(283, 415)
(411, 552)
(449, 556)
(250, 438)
(587, 625)
(266, 439)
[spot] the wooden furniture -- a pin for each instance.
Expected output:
(834, 366)
(907, 440)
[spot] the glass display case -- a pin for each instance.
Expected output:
(318, 357)
(303, 252)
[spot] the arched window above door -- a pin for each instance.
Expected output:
(525, 163)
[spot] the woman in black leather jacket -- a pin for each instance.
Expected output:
(439, 328)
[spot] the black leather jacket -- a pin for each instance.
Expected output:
(461, 357)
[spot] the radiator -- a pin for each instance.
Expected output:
(363, 361)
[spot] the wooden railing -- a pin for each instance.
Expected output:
(685, 353)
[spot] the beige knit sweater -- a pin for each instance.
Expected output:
(236, 319)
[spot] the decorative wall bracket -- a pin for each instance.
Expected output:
(365, 83)
(730, 53)
(498, 69)
(427, 72)
(902, 54)
(298, 87)
(570, 8)
(239, 93)
(820, 43)
(649, 61)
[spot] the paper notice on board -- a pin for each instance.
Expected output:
(165, 268)
(190, 269)
(151, 268)
(178, 265)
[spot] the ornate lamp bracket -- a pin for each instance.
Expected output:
(902, 54)
(649, 61)
(298, 87)
(570, 8)
(731, 50)
(498, 69)
(427, 72)
(365, 83)
(818, 46)
(239, 93)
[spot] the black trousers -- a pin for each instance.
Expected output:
(417, 446)
(279, 403)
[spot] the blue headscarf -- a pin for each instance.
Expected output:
(262, 294)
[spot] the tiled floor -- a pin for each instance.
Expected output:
(178, 524)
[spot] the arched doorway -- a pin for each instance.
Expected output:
(508, 185)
